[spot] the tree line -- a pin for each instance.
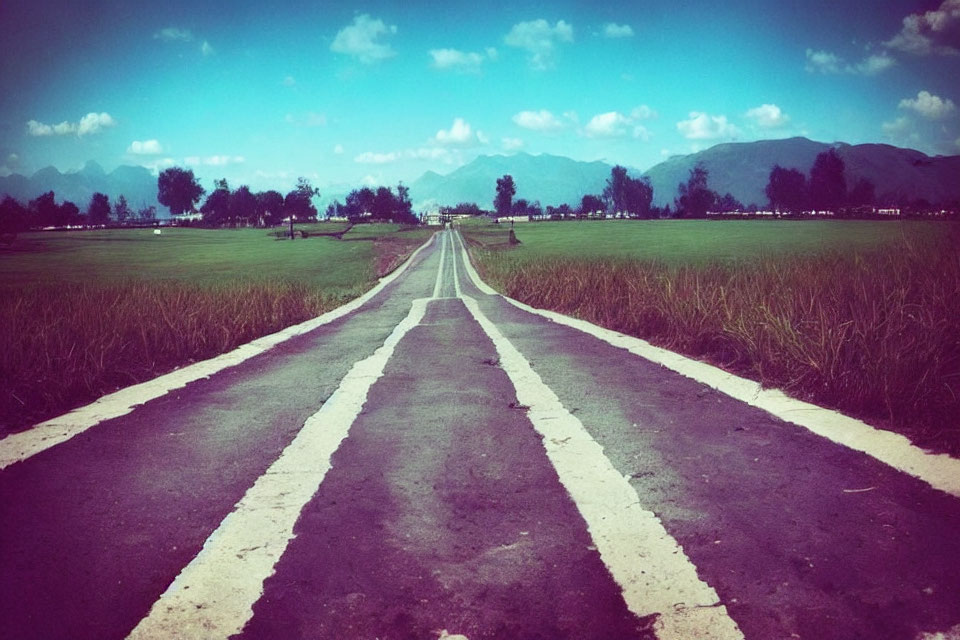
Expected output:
(623, 195)
(43, 211)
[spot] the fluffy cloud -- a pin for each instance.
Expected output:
(614, 30)
(768, 116)
(541, 120)
(89, 124)
(822, 62)
(456, 59)
(338, 149)
(872, 65)
(607, 125)
(829, 63)
(11, 165)
(173, 34)
(896, 128)
(932, 32)
(643, 112)
(539, 39)
(511, 144)
(145, 147)
(213, 161)
(289, 81)
(702, 126)
(422, 153)
(459, 133)
(206, 49)
(362, 39)
(929, 105)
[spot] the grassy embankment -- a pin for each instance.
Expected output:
(83, 313)
(859, 316)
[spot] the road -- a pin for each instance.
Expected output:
(441, 463)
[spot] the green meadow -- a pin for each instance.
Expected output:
(86, 312)
(856, 315)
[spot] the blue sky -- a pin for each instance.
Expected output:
(378, 92)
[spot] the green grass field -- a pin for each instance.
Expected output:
(692, 241)
(86, 312)
(860, 316)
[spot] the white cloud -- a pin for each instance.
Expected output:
(214, 161)
(613, 30)
(607, 125)
(89, 124)
(206, 49)
(897, 128)
(459, 133)
(830, 63)
(492, 53)
(145, 147)
(289, 81)
(641, 132)
(172, 34)
(541, 120)
(768, 116)
(929, 105)
(482, 138)
(455, 59)
(539, 39)
(702, 126)
(309, 119)
(936, 31)
(422, 153)
(11, 165)
(872, 65)
(822, 62)
(362, 39)
(338, 149)
(643, 112)
(511, 144)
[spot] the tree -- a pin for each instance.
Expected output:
(99, 210)
(216, 208)
(828, 185)
(44, 210)
(121, 210)
(786, 189)
(243, 205)
(359, 202)
(299, 203)
(178, 190)
(382, 204)
(638, 197)
(69, 214)
(615, 192)
(590, 204)
(463, 208)
(729, 203)
(147, 213)
(863, 193)
(13, 217)
(404, 207)
(694, 198)
(506, 189)
(269, 207)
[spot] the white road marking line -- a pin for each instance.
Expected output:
(456, 278)
(213, 596)
(44, 435)
(443, 251)
(940, 471)
(655, 575)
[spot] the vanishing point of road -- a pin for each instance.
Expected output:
(439, 462)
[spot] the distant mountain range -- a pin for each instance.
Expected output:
(740, 168)
(743, 169)
(137, 185)
(552, 180)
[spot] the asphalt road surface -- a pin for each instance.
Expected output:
(441, 463)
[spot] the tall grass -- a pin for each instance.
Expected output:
(874, 333)
(63, 345)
